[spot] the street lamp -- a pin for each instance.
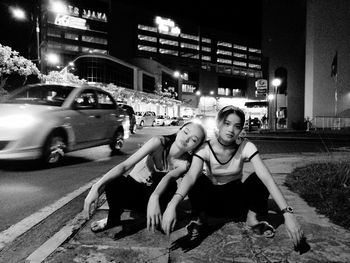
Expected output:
(19, 14)
(276, 83)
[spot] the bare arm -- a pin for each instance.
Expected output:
(169, 217)
(98, 188)
(154, 216)
(292, 226)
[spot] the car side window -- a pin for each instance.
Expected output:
(86, 100)
(105, 101)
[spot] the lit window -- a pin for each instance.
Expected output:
(254, 50)
(224, 52)
(147, 48)
(206, 40)
(187, 36)
(96, 40)
(55, 45)
(147, 28)
(225, 61)
(168, 52)
(71, 36)
(254, 66)
(239, 55)
(189, 55)
(168, 42)
(147, 38)
(224, 44)
(53, 33)
(71, 48)
(208, 58)
(94, 50)
(207, 49)
(239, 47)
(239, 63)
(254, 58)
(190, 46)
(188, 88)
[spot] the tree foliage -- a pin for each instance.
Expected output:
(12, 63)
(62, 77)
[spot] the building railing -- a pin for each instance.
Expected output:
(334, 123)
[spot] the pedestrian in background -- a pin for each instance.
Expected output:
(147, 179)
(221, 189)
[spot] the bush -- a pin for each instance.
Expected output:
(325, 186)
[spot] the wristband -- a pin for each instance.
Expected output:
(182, 197)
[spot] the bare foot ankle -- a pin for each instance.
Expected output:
(99, 225)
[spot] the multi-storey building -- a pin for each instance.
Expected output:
(69, 29)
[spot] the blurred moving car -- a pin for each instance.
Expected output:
(145, 118)
(177, 121)
(162, 120)
(45, 121)
(131, 113)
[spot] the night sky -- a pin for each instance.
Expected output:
(243, 18)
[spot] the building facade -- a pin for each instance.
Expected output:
(69, 29)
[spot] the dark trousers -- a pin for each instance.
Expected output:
(233, 199)
(126, 193)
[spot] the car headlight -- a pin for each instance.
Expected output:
(20, 121)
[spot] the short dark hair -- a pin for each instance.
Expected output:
(227, 110)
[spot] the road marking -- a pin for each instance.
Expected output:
(14, 231)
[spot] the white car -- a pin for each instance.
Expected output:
(147, 118)
(162, 120)
(44, 121)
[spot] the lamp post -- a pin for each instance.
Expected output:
(276, 83)
(20, 14)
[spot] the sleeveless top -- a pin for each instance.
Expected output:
(159, 161)
(224, 172)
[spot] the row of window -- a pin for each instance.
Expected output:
(74, 48)
(205, 40)
(232, 70)
(73, 36)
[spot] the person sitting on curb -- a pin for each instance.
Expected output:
(152, 180)
(220, 190)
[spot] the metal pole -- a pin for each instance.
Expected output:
(37, 29)
(275, 118)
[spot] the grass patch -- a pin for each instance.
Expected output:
(325, 186)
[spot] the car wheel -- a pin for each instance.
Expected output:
(117, 141)
(53, 150)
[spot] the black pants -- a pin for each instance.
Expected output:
(126, 193)
(233, 199)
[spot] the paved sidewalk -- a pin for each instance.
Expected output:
(227, 241)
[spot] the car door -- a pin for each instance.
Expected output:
(87, 121)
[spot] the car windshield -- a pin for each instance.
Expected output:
(40, 95)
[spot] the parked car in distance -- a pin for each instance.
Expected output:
(45, 121)
(255, 124)
(147, 118)
(131, 113)
(177, 121)
(162, 120)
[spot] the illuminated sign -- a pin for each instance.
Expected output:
(167, 26)
(85, 13)
(69, 21)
